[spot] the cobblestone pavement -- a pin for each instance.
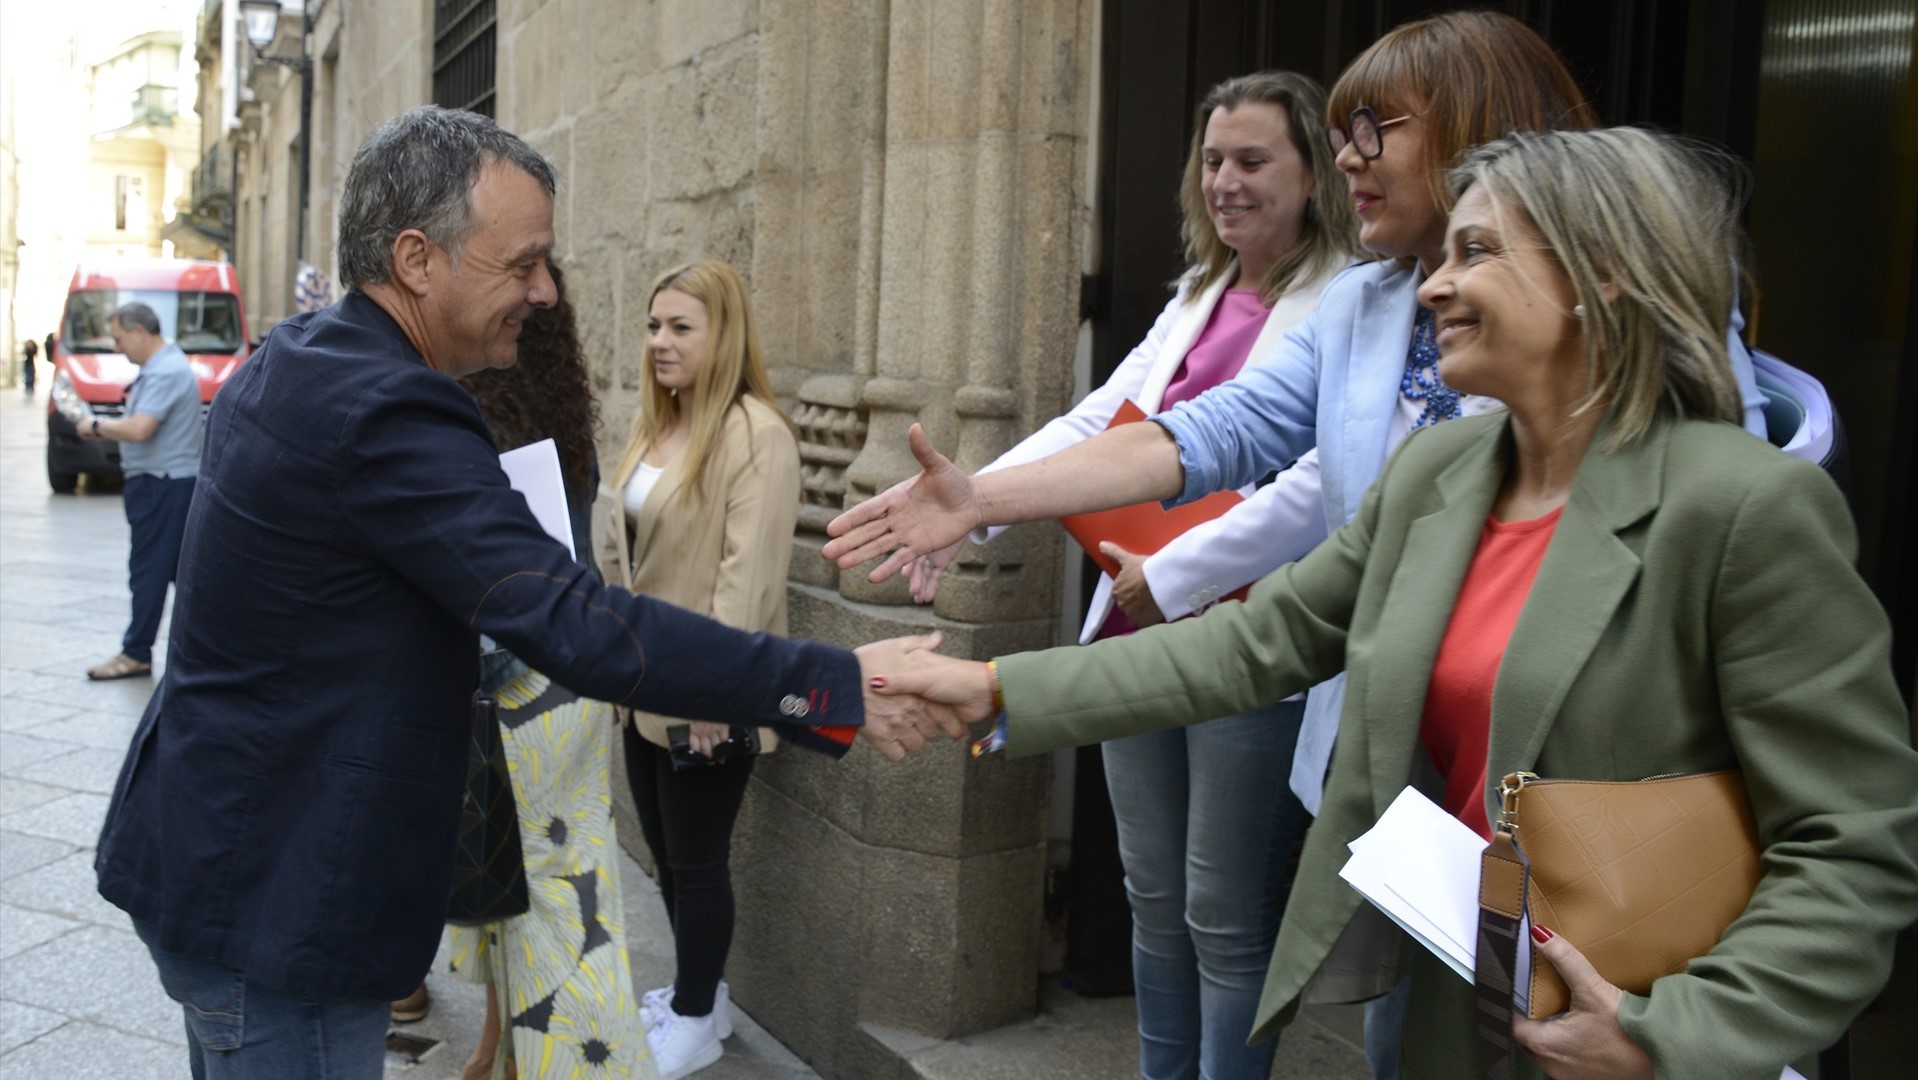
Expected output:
(78, 995)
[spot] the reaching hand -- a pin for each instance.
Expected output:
(1587, 1042)
(962, 688)
(910, 519)
(923, 573)
(897, 726)
(1130, 590)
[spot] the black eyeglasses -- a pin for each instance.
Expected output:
(1367, 133)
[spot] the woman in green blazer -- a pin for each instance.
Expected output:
(1609, 581)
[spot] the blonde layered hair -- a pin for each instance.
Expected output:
(734, 369)
(1328, 238)
(1646, 229)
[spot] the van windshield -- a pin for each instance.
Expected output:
(198, 322)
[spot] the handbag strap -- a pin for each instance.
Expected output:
(1504, 878)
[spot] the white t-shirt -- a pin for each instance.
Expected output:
(645, 478)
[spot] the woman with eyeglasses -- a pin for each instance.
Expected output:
(1344, 388)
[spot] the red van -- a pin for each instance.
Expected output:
(200, 311)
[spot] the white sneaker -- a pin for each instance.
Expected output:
(683, 1045)
(656, 1005)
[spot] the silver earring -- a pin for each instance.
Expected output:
(1578, 311)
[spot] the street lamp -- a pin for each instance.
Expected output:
(262, 19)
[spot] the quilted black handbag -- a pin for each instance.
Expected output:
(489, 870)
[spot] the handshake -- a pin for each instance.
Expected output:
(913, 695)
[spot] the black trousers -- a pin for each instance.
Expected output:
(687, 818)
(156, 509)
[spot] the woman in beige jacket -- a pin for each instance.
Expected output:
(708, 491)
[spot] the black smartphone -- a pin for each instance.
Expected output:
(740, 742)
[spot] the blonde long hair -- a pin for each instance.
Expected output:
(1654, 219)
(734, 369)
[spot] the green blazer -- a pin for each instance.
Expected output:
(1697, 609)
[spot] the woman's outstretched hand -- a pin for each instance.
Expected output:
(943, 685)
(899, 725)
(916, 518)
(1587, 1042)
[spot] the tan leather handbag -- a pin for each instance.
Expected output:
(1640, 876)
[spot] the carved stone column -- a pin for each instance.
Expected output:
(916, 251)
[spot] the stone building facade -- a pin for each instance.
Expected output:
(904, 184)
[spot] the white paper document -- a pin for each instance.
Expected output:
(534, 472)
(1420, 866)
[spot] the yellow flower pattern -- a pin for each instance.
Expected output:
(561, 970)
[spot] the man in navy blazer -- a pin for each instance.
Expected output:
(283, 827)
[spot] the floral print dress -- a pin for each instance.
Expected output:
(567, 1006)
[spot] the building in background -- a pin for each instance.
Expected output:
(143, 149)
(100, 140)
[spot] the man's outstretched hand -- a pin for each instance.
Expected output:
(898, 725)
(920, 517)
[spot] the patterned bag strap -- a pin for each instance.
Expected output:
(1504, 878)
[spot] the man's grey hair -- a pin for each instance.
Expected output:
(417, 171)
(136, 316)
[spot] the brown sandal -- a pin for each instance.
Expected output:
(120, 667)
(412, 1007)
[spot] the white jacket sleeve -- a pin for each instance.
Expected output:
(1276, 525)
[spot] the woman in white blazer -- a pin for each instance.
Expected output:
(708, 496)
(1204, 842)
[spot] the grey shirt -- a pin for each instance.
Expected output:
(167, 390)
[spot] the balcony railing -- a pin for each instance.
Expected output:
(156, 104)
(151, 104)
(213, 183)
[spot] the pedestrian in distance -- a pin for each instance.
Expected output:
(159, 437)
(283, 827)
(28, 353)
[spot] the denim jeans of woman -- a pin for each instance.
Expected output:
(1206, 828)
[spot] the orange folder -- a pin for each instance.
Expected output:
(1144, 527)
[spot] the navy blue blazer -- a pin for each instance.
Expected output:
(289, 802)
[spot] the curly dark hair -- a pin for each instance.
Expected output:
(546, 394)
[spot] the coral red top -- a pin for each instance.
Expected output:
(1457, 724)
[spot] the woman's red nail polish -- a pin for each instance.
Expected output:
(878, 682)
(1540, 934)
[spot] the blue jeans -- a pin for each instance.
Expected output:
(156, 509)
(1206, 825)
(1385, 1029)
(240, 1030)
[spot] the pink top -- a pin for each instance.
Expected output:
(1222, 349)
